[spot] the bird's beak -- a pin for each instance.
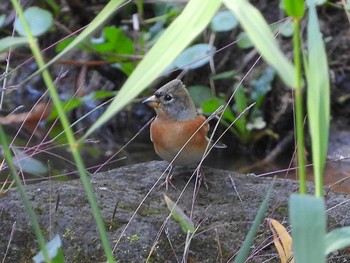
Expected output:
(152, 101)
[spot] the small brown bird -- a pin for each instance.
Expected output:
(177, 123)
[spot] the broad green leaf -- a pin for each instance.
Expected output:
(224, 75)
(318, 99)
(246, 246)
(244, 41)
(337, 239)
(27, 163)
(212, 104)
(199, 94)
(286, 28)
(114, 40)
(195, 56)
(2, 20)
(193, 19)
(12, 42)
(38, 19)
(262, 85)
(241, 103)
(179, 215)
(308, 220)
(68, 105)
(55, 251)
(294, 8)
(260, 34)
(223, 21)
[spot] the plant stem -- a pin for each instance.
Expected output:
(69, 134)
(139, 4)
(299, 111)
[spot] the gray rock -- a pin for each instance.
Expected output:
(224, 218)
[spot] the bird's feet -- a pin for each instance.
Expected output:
(168, 179)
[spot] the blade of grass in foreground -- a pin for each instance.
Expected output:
(20, 188)
(69, 135)
(246, 246)
(318, 99)
(308, 221)
(260, 34)
(193, 19)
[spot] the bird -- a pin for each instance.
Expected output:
(178, 132)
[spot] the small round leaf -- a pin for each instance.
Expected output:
(195, 56)
(39, 21)
(223, 21)
(244, 41)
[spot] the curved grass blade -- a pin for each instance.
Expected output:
(318, 99)
(337, 239)
(260, 34)
(193, 19)
(246, 246)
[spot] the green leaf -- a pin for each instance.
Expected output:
(199, 94)
(286, 28)
(337, 239)
(38, 19)
(224, 75)
(212, 104)
(179, 216)
(54, 249)
(223, 21)
(318, 97)
(12, 42)
(244, 41)
(260, 34)
(308, 220)
(64, 43)
(244, 250)
(2, 20)
(68, 105)
(27, 163)
(294, 8)
(193, 19)
(114, 40)
(241, 103)
(262, 85)
(195, 56)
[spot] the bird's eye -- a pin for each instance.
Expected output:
(168, 97)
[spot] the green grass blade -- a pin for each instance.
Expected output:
(69, 135)
(260, 34)
(308, 221)
(179, 215)
(24, 198)
(193, 19)
(318, 99)
(246, 246)
(337, 239)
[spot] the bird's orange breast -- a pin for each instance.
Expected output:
(170, 136)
